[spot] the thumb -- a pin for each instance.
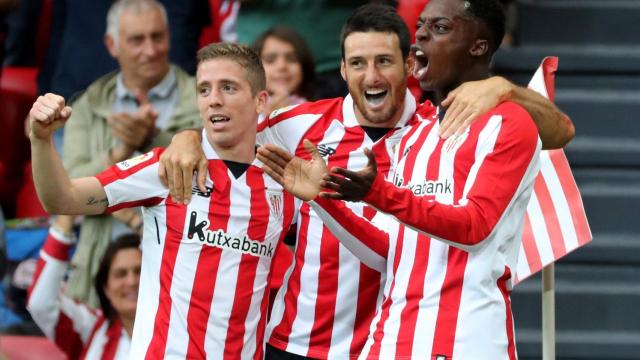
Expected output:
(65, 113)
(450, 96)
(372, 159)
(312, 150)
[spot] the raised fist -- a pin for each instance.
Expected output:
(48, 114)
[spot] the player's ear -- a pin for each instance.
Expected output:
(110, 44)
(261, 101)
(343, 71)
(479, 48)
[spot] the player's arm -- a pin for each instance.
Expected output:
(59, 318)
(501, 167)
(58, 193)
(302, 179)
(464, 105)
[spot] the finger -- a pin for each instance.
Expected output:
(274, 174)
(162, 172)
(351, 175)
(272, 165)
(450, 116)
(187, 181)
(273, 155)
(279, 152)
(177, 184)
(57, 99)
(201, 179)
(462, 121)
(65, 113)
(141, 97)
(466, 122)
(450, 97)
(331, 195)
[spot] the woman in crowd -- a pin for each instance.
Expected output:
(289, 67)
(79, 331)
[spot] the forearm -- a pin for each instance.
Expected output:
(366, 241)
(554, 127)
(58, 194)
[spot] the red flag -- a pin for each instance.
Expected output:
(555, 222)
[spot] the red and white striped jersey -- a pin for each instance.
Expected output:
(80, 332)
(328, 297)
(448, 298)
(205, 266)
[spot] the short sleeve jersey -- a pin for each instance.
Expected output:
(205, 265)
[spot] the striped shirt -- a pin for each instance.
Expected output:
(449, 298)
(205, 266)
(328, 297)
(80, 332)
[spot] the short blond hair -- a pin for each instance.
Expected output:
(240, 54)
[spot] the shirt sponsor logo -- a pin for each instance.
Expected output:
(129, 163)
(220, 239)
(426, 187)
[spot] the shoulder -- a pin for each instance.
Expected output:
(319, 107)
(101, 89)
(515, 122)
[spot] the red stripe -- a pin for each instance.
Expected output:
(414, 293)
(320, 336)
(550, 217)
(36, 276)
(175, 214)
(549, 66)
(502, 285)
(114, 173)
(129, 204)
(289, 208)
(374, 352)
(56, 249)
(280, 334)
(570, 190)
(368, 292)
(257, 230)
(114, 332)
(530, 248)
(204, 282)
(62, 335)
(329, 107)
(449, 307)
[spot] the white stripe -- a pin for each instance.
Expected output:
(96, 348)
(559, 201)
(149, 292)
(522, 270)
(486, 141)
(539, 230)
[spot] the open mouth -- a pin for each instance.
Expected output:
(218, 119)
(375, 96)
(422, 62)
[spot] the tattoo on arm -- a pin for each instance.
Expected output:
(93, 201)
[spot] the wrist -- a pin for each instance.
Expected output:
(507, 89)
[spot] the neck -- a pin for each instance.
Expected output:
(127, 325)
(475, 73)
(241, 151)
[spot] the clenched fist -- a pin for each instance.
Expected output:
(48, 114)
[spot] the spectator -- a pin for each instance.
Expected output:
(74, 327)
(289, 66)
(121, 114)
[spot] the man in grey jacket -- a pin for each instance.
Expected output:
(129, 111)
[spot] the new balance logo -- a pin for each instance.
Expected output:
(195, 190)
(325, 150)
(222, 240)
